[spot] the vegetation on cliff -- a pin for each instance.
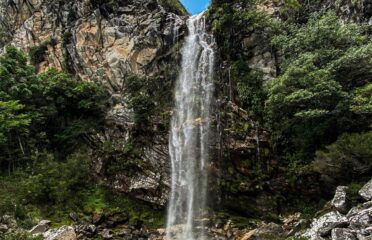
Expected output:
(45, 123)
(316, 106)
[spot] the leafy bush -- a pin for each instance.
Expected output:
(309, 105)
(349, 158)
(150, 99)
(37, 53)
(54, 109)
(58, 182)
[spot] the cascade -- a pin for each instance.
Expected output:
(189, 139)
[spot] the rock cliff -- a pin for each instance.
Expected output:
(106, 42)
(109, 41)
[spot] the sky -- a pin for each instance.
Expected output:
(196, 6)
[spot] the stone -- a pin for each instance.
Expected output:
(124, 232)
(117, 218)
(3, 228)
(249, 235)
(323, 226)
(41, 227)
(366, 191)
(352, 212)
(9, 221)
(107, 234)
(74, 217)
(342, 234)
(361, 219)
(97, 218)
(367, 205)
(88, 230)
(270, 229)
(339, 201)
(161, 231)
(62, 233)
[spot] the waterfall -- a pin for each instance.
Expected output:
(190, 132)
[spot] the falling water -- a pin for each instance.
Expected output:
(190, 133)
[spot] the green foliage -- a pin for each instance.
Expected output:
(231, 25)
(309, 105)
(127, 160)
(349, 158)
(323, 35)
(4, 38)
(47, 181)
(150, 99)
(53, 189)
(15, 75)
(19, 236)
(250, 89)
(56, 182)
(50, 111)
(362, 100)
(11, 120)
(37, 53)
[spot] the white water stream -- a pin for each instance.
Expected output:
(190, 134)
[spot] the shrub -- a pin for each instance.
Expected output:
(349, 158)
(37, 53)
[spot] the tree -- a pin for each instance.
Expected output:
(13, 126)
(315, 99)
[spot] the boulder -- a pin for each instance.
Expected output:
(361, 220)
(41, 227)
(339, 201)
(88, 230)
(249, 235)
(74, 217)
(9, 221)
(116, 219)
(107, 234)
(366, 191)
(62, 233)
(3, 228)
(322, 227)
(367, 205)
(97, 218)
(342, 234)
(270, 229)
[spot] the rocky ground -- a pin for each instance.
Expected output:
(345, 222)
(339, 220)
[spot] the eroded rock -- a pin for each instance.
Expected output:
(323, 226)
(366, 191)
(339, 201)
(342, 234)
(3, 228)
(63, 233)
(41, 227)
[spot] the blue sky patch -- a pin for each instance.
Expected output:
(196, 6)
